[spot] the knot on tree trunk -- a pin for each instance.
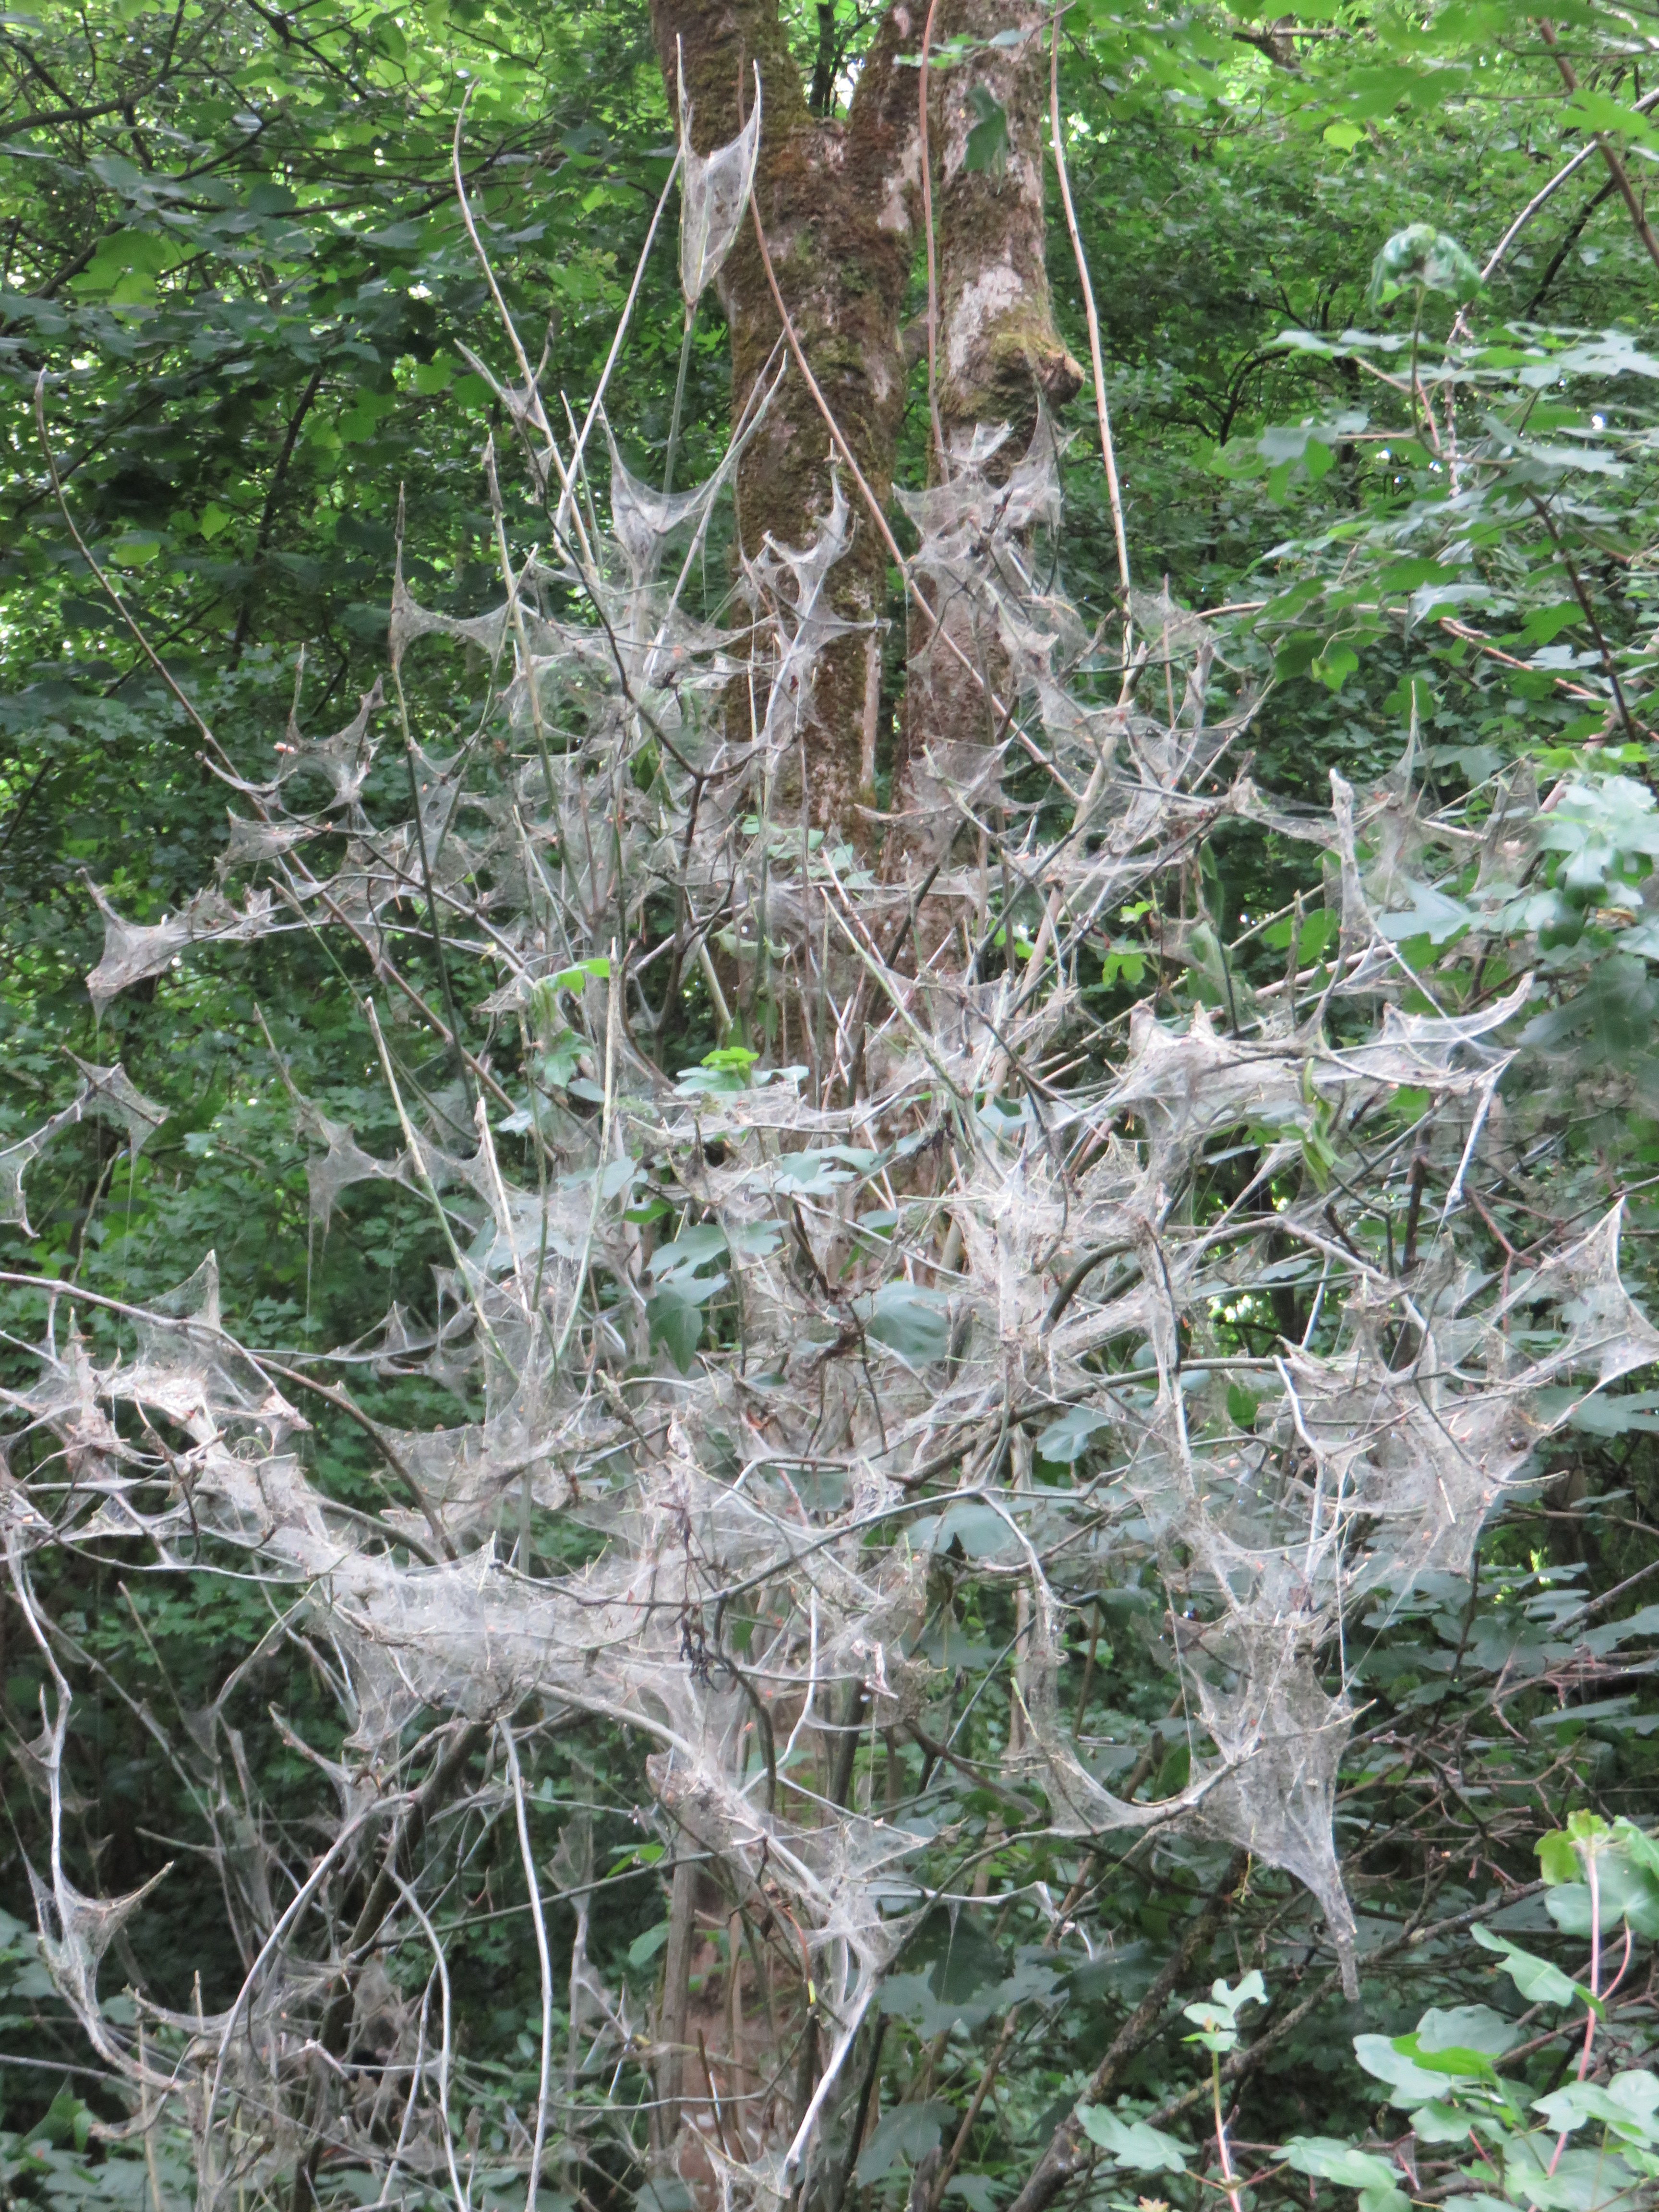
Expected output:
(1058, 375)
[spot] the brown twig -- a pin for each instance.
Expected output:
(104, 583)
(1245, 2060)
(1616, 168)
(1067, 2149)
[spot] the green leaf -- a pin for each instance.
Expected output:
(1580, 2179)
(1630, 2111)
(1467, 2028)
(814, 1174)
(1384, 2197)
(753, 1240)
(1125, 967)
(724, 1070)
(1131, 2143)
(1316, 932)
(1432, 914)
(977, 2190)
(1638, 2092)
(1623, 1893)
(1324, 2158)
(644, 1948)
(967, 1964)
(667, 2193)
(1409, 2083)
(66, 2121)
(1436, 2123)
(1588, 1830)
(1544, 624)
(572, 979)
(268, 196)
(1538, 1981)
(1558, 1861)
(908, 2131)
(1461, 2063)
(1217, 2019)
(1251, 1990)
(127, 264)
(1065, 1441)
(1630, 1411)
(398, 237)
(987, 138)
(677, 1324)
(1242, 1405)
(1642, 1850)
(981, 1531)
(909, 1320)
(692, 1249)
(1598, 112)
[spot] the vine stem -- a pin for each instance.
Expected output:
(528, 1858)
(1593, 1880)
(927, 232)
(1107, 452)
(1227, 2174)
(680, 397)
(106, 586)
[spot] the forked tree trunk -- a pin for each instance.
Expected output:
(840, 205)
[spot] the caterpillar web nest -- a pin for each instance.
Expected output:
(931, 1297)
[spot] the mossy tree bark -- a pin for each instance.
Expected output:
(998, 346)
(1000, 358)
(838, 203)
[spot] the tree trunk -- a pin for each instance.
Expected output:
(997, 347)
(840, 204)
(676, 2000)
(837, 202)
(999, 361)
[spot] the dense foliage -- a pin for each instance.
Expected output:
(251, 360)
